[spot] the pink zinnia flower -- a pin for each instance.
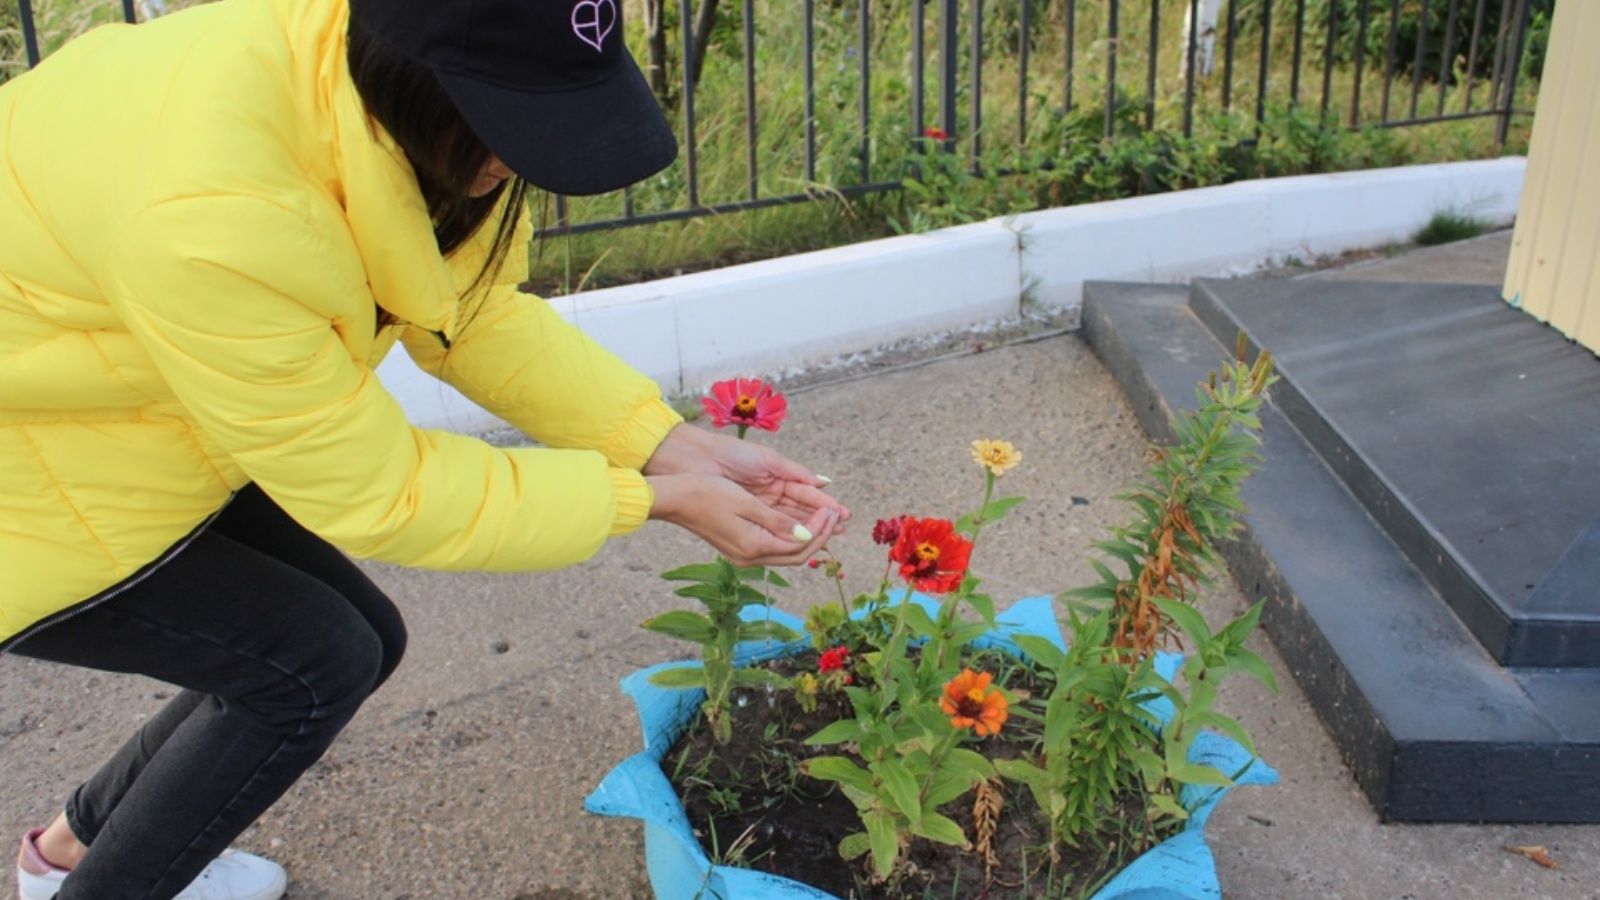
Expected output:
(745, 402)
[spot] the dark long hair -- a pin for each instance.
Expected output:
(405, 98)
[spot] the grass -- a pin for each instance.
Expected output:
(1449, 226)
(564, 264)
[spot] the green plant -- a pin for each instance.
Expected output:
(1448, 226)
(1103, 745)
(724, 590)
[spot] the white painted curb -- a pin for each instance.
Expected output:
(767, 316)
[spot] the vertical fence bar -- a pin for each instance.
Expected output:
(1391, 45)
(1365, 16)
(627, 202)
(1072, 40)
(977, 85)
(1150, 76)
(128, 13)
(30, 35)
(1261, 74)
(1022, 72)
(1447, 57)
(919, 70)
(865, 52)
(691, 164)
(1227, 59)
(811, 91)
(561, 213)
(1499, 52)
(1299, 48)
(949, 26)
(1188, 68)
(750, 93)
(1416, 60)
(1327, 57)
(1472, 56)
(1512, 73)
(1111, 70)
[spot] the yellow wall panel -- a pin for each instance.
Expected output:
(1554, 270)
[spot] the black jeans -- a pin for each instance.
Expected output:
(276, 639)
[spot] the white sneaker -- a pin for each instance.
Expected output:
(235, 875)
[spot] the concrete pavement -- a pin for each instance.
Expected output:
(464, 777)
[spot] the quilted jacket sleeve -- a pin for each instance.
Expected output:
(235, 299)
(517, 358)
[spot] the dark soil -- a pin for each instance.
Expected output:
(751, 807)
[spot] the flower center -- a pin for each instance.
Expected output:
(745, 408)
(927, 553)
(970, 706)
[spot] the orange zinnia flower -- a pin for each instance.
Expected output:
(970, 702)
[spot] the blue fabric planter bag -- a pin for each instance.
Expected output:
(1179, 868)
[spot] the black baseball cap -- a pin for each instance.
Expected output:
(547, 85)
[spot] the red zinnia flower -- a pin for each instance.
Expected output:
(932, 556)
(938, 134)
(833, 660)
(745, 402)
(887, 531)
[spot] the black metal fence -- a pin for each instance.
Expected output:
(1466, 54)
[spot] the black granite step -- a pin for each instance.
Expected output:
(1434, 728)
(1470, 431)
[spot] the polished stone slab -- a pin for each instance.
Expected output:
(1470, 431)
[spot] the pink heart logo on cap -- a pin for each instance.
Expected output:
(592, 20)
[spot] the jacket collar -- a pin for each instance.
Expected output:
(369, 174)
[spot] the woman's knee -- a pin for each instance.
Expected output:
(392, 638)
(325, 686)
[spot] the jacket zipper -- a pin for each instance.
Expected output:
(120, 587)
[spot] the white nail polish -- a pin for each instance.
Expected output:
(824, 479)
(803, 534)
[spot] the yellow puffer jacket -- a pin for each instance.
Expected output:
(197, 221)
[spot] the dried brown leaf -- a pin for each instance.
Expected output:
(1538, 854)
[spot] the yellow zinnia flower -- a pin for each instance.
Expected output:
(996, 456)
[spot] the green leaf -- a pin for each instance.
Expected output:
(761, 574)
(1225, 725)
(710, 594)
(1122, 550)
(885, 841)
(854, 845)
(1060, 717)
(683, 625)
(1190, 773)
(983, 605)
(776, 631)
(837, 768)
(919, 620)
(758, 678)
(1165, 805)
(680, 677)
(1041, 651)
(946, 786)
(1022, 772)
(836, 733)
(997, 509)
(902, 788)
(966, 762)
(1106, 575)
(696, 572)
(1255, 666)
(1187, 617)
(935, 827)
